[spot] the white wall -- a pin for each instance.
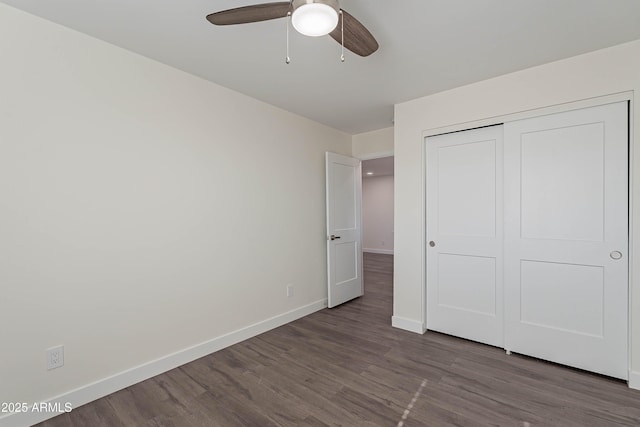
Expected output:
(373, 145)
(595, 74)
(377, 214)
(143, 210)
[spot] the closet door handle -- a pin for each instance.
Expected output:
(432, 243)
(616, 255)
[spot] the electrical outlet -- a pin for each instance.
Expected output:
(383, 243)
(55, 357)
(289, 291)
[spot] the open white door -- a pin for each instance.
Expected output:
(344, 228)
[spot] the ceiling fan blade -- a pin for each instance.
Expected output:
(248, 14)
(356, 36)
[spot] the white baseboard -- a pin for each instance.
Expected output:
(634, 380)
(378, 251)
(106, 386)
(408, 324)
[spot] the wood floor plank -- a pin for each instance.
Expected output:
(348, 367)
(312, 391)
(99, 413)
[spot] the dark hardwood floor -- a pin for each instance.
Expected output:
(347, 366)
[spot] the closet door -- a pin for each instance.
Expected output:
(464, 234)
(566, 238)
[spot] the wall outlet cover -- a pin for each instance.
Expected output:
(55, 357)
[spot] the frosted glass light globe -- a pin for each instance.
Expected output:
(314, 19)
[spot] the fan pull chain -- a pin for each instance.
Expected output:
(288, 59)
(342, 32)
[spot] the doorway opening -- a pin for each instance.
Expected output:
(377, 222)
(377, 206)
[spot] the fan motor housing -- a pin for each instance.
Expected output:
(332, 3)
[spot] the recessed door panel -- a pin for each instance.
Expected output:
(546, 287)
(467, 283)
(466, 183)
(346, 262)
(562, 185)
(344, 188)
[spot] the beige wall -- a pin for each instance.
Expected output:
(596, 74)
(142, 210)
(372, 145)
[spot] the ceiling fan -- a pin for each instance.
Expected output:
(309, 17)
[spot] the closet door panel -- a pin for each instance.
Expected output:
(566, 238)
(464, 228)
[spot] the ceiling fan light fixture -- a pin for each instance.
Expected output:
(315, 17)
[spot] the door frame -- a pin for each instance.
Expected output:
(371, 156)
(498, 120)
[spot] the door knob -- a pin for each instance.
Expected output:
(615, 255)
(432, 243)
(334, 237)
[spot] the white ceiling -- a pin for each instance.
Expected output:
(426, 46)
(377, 167)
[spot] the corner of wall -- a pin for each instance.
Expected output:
(372, 145)
(634, 380)
(96, 390)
